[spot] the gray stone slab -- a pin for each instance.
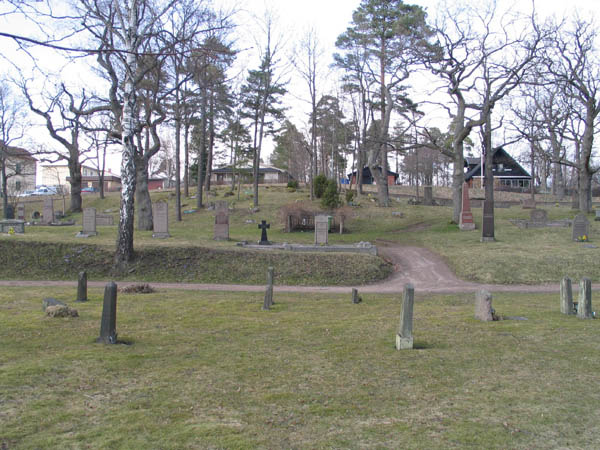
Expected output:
(321, 229)
(581, 227)
(17, 226)
(221, 230)
(160, 219)
(48, 211)
(89, 222)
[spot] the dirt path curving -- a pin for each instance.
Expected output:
(424, 269)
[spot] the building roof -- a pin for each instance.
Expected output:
(367, 172)
(510, 167)
(20, 153)
(263, 169)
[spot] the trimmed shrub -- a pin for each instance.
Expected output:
(320, 182)
(293, 184)
(331, 197)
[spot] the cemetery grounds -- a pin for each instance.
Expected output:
(207, 369)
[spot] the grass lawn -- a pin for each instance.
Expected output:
(528, 256)
(211, 370)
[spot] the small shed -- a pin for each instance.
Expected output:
(368, 178)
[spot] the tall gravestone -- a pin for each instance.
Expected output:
(404, 338)
(20, 211)
(108, 325)
(321, 229)
(466, 222)
(584, 305)
(487, 227)
(581, 227)
(268, 302)
(221, 232)
(160, 219)
(48, 211)
(483, 306)
(89, 222)
(10, 212)
(566, 296)
(82, 287)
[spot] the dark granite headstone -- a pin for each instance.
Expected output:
(82, 287)
(221, 231)
(108, 325)
(263, 237)
(355, 297)
(10, 212)
(487, 228)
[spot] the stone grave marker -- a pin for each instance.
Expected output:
(268, 302)
(466, 216)
(355, 297)
(221, 232)
(538, 216)
(597, 218)
(89, 223)
(82, 287)
(160, 219)
(566, 296)
(20, 211)
(263, 236)
(483, 306)
(10, 212)
(108, 325)
(581, 227)
(48, 211)
(584, 305)
(17, 226)
(404, 338)
(103, 220)
(528, 204)
(487, 228)
(321, 229)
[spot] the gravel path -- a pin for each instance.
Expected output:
(424, 269)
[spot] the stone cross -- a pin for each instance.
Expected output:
(48, 211)
(21, 211)
(584, 305)
(108, 325)
(483, 306)
(160, 220)
(466, 216)
(581, 227)
(268, 302)
(82, 287)
(404, 338)
(321, 229)
(263, 237)
(221, 232)
(566, 296)
(89, 222)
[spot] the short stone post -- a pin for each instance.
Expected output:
(82, 287)
(355, 298)
(404, 338)
(483, 306)
(108, 326)
(269, 293)
(566, 296)
(584, 306)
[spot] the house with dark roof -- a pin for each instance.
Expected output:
(507, 172)
(266, 175)
(368, 178)
(21, 168)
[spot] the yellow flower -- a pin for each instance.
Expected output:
(11, 231)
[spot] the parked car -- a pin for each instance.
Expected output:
(44, 190)
(89, 189)
(26, 193)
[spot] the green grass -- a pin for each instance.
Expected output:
(527, 256)
(211, 370)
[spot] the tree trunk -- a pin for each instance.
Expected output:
(75, 175)
(488, 231)
(4, 189)
(211, 143)
(458, 178)
(177, 160)
(186, 164)
(142, 195)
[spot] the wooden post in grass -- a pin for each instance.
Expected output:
(82, 287)
(566, 296)
(584, 306)
(269, 293)
(108, 326)
(404, 338)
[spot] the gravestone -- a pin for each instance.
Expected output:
(160, 219)
(10, 212)
(355, 297)
(268, 302)
(221, 232)
(82, 287)
(597, 218)
(108, 325)
(17, 226)
(466, 222)
(528, 204)
(89, 223)
(487, 228)
(483, 306)
(48, 211)
(263, 236)
(321, 229)
(538, 216)
(581, 227)
(20, 211)
(584, 304)
(103, 220)
(404, 338)
(566, 296)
